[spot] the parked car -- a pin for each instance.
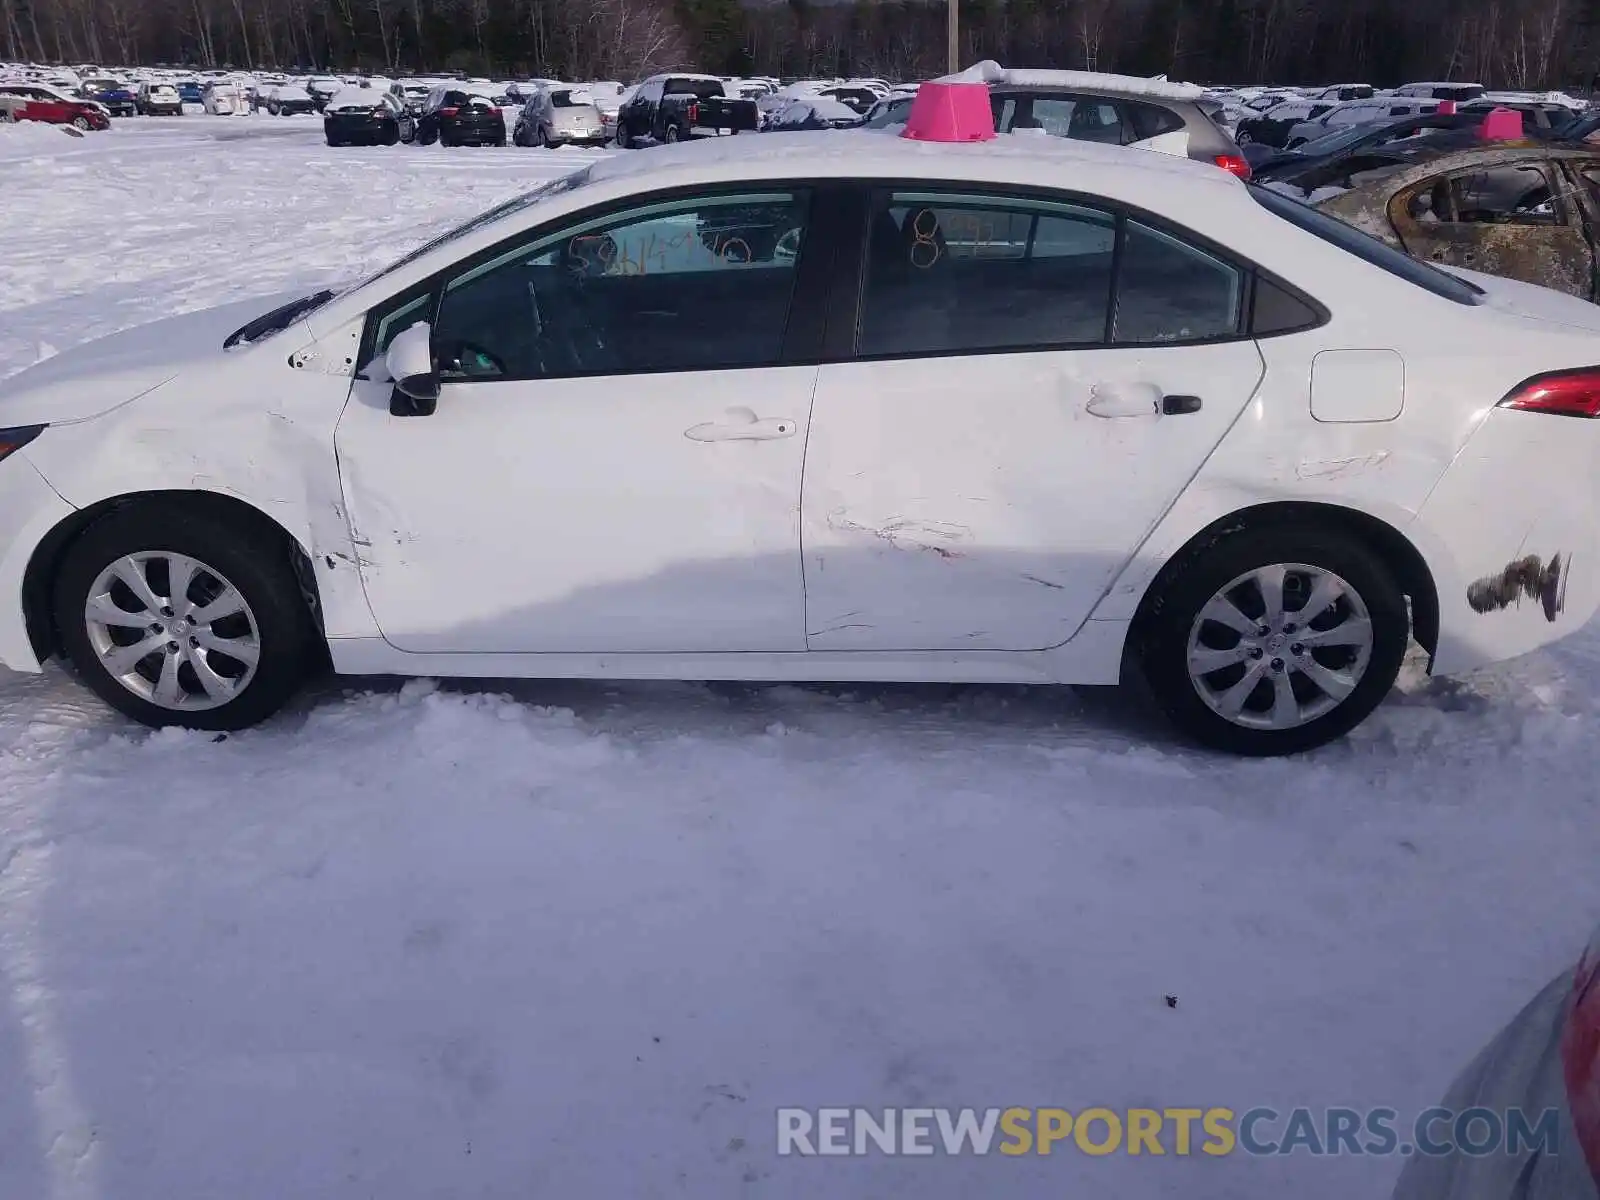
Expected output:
(890, 112)
(1356, 112)
(158, 100)
(324, 88)
(456, 117)
(111, 94)
(1521, 211)
(1459, 92)
(811, 112)
(1117, 110)
(222, 98)
(1546, 1060)
(362, 117)
(411, 95)
(560, 116)
(1539, 119)
(190, 92)
(1272, 128)
(1341, 92)
(472, 405)
(858, 98)
(678, 107)
(1355, 148)
(41, 102)
(290, 100)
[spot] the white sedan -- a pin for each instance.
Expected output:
(826, 407)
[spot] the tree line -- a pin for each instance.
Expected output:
(1505, 43)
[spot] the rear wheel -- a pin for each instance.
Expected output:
(1275, 640)
(183, 618)
(671, 134)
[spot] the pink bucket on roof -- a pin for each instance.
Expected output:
(950, 112)
(1502, 125)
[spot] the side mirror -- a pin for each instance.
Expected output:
(410, 365)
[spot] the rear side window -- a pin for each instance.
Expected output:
(1151, 120)
(965, 274)
(1366, 247)
(1082, 118)
(1170, 291)
(948, 274)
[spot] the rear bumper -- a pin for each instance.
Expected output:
(30, 508)
(1515, 523)
(480, 133)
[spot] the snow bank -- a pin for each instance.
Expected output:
(33, 139)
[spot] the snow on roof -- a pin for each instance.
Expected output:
(353, 97)
(830, 109)
(993, 73)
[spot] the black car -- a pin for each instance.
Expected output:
(675, 108)
(1269, 163)
(362, 118)
(456, 117)
(1272, 127)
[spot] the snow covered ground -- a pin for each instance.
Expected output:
(582, 940)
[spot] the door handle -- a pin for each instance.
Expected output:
(742, 425)
(1177, 406)
(1124, 400)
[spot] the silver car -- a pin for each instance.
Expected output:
(560, 117)
(1546, 1060)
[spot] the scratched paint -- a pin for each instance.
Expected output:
(1528, 578)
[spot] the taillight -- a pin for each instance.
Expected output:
(1234, 164)
(448, 112)
(694, 113)
(1565, 393)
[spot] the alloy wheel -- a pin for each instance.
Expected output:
(1280, 646)
(172, 630)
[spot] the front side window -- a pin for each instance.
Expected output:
(685, 285)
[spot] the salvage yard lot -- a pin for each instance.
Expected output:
(584, 940)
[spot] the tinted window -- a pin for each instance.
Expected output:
(682, 286)
(1366, 247)
(891, 112)
(1081, 118)
(1151, 120)
(1169, 291)
(950, 273)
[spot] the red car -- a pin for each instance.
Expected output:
(40, 102)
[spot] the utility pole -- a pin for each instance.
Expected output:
(954, 36)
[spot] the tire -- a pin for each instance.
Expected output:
(1243, 137)
(671, 135)
(1330, 558)
(246, 557)
(81, 123)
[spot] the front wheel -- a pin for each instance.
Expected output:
(182, 618)
(1275, 640)
(81, 123)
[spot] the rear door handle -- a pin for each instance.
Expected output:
(742, 425)
(1177, 406)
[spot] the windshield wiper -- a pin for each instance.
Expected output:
(277, 320)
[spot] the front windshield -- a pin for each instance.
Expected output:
(511, 207)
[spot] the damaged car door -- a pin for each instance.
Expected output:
(1513, 219)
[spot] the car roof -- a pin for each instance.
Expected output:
(996, 76)
(1061, 163)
